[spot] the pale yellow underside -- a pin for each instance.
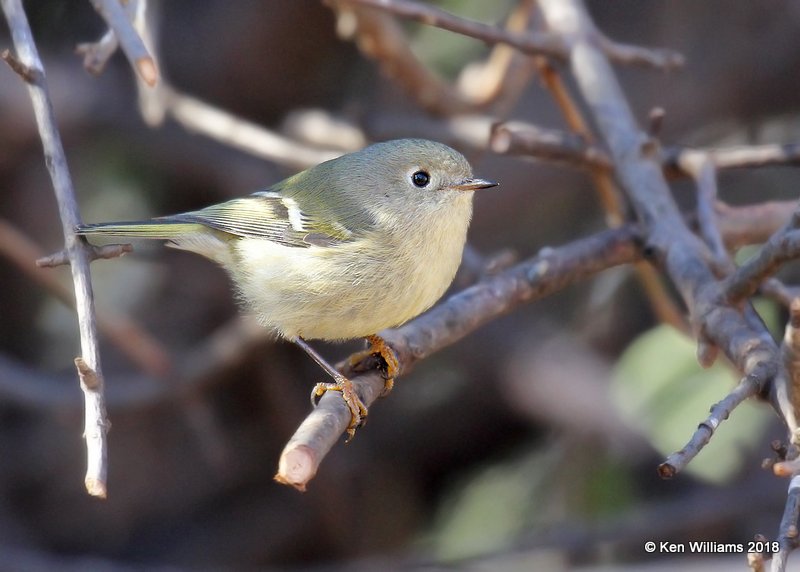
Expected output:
(352, 289)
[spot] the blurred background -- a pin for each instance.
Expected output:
(531, 444)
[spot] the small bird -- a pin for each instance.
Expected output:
(343, 250)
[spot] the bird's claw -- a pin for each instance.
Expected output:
(379, 348)
(358, 411)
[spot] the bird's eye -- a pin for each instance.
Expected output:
(421, 179)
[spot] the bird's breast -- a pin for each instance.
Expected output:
(379, 280)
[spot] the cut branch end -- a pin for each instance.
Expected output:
(147, 70)
(666, 471)
(96, 488)
(297, 466)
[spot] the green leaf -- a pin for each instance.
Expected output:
(487, 511)
(661, 390)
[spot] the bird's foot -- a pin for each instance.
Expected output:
(380, 349)
(358, 411)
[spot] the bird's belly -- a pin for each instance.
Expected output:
(336, 293)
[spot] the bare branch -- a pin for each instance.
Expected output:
(96, 54)
(531, 43)
(137, 53)
(657, 58)
(202, 367)
(448, 322)
(320, 430)
(748, 387)
(749, 156)
(232, 342)
(140, 347)
(198, 116)
(702, 170)
(640, 174)
(516, 138)
(721, 316)
(789, 378)
(522, 138)
(744, 340)
(664, 307)
(604, 183)
(779, 291)
(787, 533)
(498, 81)
(752, 224)
(534, 43)
(95, 423)
(27, 73)
(97, 253)
(782, 246)
(502, 78)
(380, 37)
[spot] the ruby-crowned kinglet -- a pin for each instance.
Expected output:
(342, 250)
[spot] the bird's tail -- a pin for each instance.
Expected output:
(178, 232)
(162, 228)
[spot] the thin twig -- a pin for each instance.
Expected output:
(121, 23)
(497, 81)
(502, 78)
(604, 183)
(96, 54)
(380, 37)
(787, 533)
(197, 116)
(529, 43)
(657, 58)
(473, 131)
(534, 43)
(782, 246)
(740, 157)
(748, 387)
(780, 292)
(96, 424)
(790, 374)
(702, 169)
(140, 347)
(752, 224)
(104, 252)
(27, 73)
(550, 271)
(200, 368)
(515, 138)
(476, 265)
(200, 117)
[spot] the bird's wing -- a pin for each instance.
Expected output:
(271, 216)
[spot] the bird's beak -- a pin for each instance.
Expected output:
(473, 184)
